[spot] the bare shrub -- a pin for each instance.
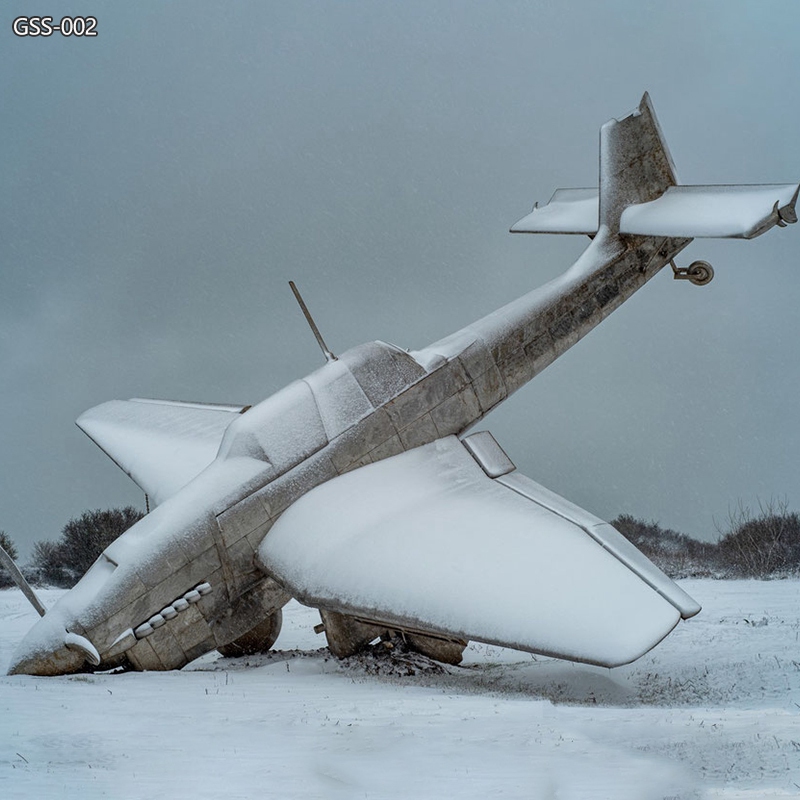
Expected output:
(83, 538)
(5, 542)
(761, 544)
(47, 566)
(676, 554)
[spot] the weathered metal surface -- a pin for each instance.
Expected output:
(635, 164)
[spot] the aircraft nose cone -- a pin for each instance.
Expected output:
(57, 662)
(49, 649)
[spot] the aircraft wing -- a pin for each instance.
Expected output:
(428, 540)
(160, 444)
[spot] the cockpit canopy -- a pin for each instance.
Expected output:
(302, 418)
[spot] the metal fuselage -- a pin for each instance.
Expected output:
(374, 402)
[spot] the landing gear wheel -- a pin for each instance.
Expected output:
(345, 634)
(700, 273)
(256, 640)
(448, 651)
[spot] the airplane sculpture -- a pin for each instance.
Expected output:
(359, 490)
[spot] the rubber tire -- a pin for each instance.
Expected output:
(257, 640)
(700, 273)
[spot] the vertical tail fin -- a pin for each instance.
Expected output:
(635, 163)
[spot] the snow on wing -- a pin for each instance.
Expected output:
(567, 211)
(427, 540)
(736, 212)
(161, 444)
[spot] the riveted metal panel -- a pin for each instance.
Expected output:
(428, 393)
(420, 432)
(241, 519)
(143, 657)
(361, 439)
(456, 412)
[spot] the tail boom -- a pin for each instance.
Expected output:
(639, 220)
(527, 335)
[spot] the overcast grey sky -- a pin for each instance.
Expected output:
(164, 180)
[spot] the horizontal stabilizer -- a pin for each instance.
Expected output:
(726, 212)
(681, 212)
(426, 540)
(567, 211)
(160, 444)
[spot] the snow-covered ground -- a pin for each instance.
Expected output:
(713, 712)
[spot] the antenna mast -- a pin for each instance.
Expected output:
(310, 320)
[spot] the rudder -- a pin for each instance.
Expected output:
(635, 163)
